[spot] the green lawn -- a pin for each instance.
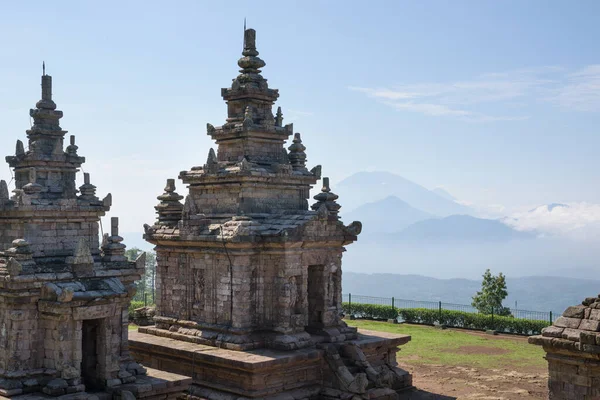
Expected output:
(452, 347)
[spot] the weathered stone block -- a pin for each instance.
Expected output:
(566, 322)
(588, 337)
(574, 312)
(589, 325)
(590, 348)
(571, 334)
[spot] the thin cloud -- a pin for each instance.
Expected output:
(436, 110)
(581, 91)
(578, 90)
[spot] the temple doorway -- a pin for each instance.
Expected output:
(89, 349)
(316, 295)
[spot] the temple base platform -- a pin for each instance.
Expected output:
(364, 367)
(155, 385)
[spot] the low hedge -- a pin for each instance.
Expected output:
(450, 318)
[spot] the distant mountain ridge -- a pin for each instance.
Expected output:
(367, 187)
(386, 216)
(443, 193)
(461, 228)
(535, 293)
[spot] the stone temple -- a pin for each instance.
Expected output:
(572, 346)
(249, 276)
(64, 296)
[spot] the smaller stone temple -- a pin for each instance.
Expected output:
(249, 276)
(64, 296)
(572, 346)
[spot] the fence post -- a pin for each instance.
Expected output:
(350, 304)
(440, 312)
(393, 308)
(551, 318)
(145, 301)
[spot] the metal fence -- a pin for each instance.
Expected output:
(439, 305)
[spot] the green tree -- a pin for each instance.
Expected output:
(146, 285)
(493, 290)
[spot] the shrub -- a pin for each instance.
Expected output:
(370, 311)
(450, 318)
(133, 305)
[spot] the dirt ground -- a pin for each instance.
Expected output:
(443, 382)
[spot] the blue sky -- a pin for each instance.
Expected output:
(498, 102)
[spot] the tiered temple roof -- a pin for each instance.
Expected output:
(63, 298)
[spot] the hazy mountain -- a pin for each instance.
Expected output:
(367, 187)
(460, 228)
(469, 258)
(443, 193)
(388, 215)
(536, 293)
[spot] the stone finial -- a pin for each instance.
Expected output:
(250, 63)
(72, 147)
(212, 156)
(114, 226)
(32, 187)
(46, 101)
(4, 195)
(212, 164)
(248, 121)
(297, 155)
(249, 43)
(327, 198)
(20, 149)
(112, 248)
(279, 117)
(170, 208)
(107, 202)
(210, 129)
(88, 191)
(316, 171)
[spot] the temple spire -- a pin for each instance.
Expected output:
(250, 63)
(249, 43)
(46, 101)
